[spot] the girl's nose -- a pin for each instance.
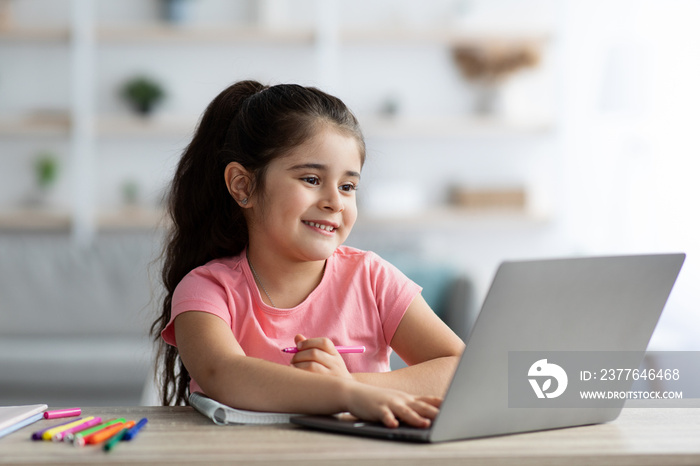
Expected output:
(332, 200)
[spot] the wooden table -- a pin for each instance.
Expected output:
(179, 435)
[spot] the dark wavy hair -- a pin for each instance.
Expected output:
(251, 124)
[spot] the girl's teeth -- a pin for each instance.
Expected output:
(322, 227)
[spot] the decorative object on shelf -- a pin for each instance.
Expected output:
(131, 192)
(513, 198)
(390, 106)
(488, 65)
(46, 171)
(143, 94)
(177, 11)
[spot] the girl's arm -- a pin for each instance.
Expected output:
(217, 362)
(429, 347)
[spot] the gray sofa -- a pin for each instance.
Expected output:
(74, 320)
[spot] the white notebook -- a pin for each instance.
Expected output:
(11, 415)
(223, 415)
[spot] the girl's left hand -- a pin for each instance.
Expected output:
(319, 355)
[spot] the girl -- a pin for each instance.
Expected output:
(261, 203)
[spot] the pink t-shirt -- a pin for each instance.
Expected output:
(360, 301)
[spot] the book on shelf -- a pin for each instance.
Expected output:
(223, 415)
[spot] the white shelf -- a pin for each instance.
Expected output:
(218, 34)
(34, 126)
(445, 36)
(45, 219)
(451, 126)
(449, 216)
(131, 218)
(35, 34)
(153, 126)
(35, 219)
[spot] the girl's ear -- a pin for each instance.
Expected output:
(239, 183)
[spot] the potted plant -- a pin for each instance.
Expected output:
(143, 94)
(46, 170)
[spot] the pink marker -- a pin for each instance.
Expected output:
(55, 414)
(61, 436)
(341, 349)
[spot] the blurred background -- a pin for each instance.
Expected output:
(496, 129)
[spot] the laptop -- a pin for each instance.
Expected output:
(538, 319)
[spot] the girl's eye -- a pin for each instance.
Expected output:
(311, 180)
(349, 187)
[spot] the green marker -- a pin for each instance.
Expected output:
(116, 439)
(77, 438)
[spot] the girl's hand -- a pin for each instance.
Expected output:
(389, 406)
(319, 355)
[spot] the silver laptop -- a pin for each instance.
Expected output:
(540, 321)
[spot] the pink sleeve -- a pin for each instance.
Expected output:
(394, 292)
(198, 291)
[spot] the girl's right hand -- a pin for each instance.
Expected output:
(388, 406)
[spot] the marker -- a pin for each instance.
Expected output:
(61, 436)
(78, 437)
(116, 439)
(48, 435)
(108, 433)
(55, 414)
(39, 433)
(131, 433)
(341, 349)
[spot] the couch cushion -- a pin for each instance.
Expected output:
(49, 286)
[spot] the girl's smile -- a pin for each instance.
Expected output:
(323, 227)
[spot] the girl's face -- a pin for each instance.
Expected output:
(308, 206)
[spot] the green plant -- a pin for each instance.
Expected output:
(143, 93)
(46, 170)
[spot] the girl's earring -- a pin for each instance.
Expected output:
(244, 201)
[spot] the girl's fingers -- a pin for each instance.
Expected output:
(298, 338)
(412, 417)
(431, 400)
(323, 344)
(425, 410)
(389, 420)
(418, 412)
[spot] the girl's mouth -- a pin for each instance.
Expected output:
(328, 228)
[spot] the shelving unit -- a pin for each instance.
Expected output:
(86, 129)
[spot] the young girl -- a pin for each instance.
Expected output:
(261, 203)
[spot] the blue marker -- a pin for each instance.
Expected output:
(131, 433)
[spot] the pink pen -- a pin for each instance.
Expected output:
(58, 413)
(341, 349)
